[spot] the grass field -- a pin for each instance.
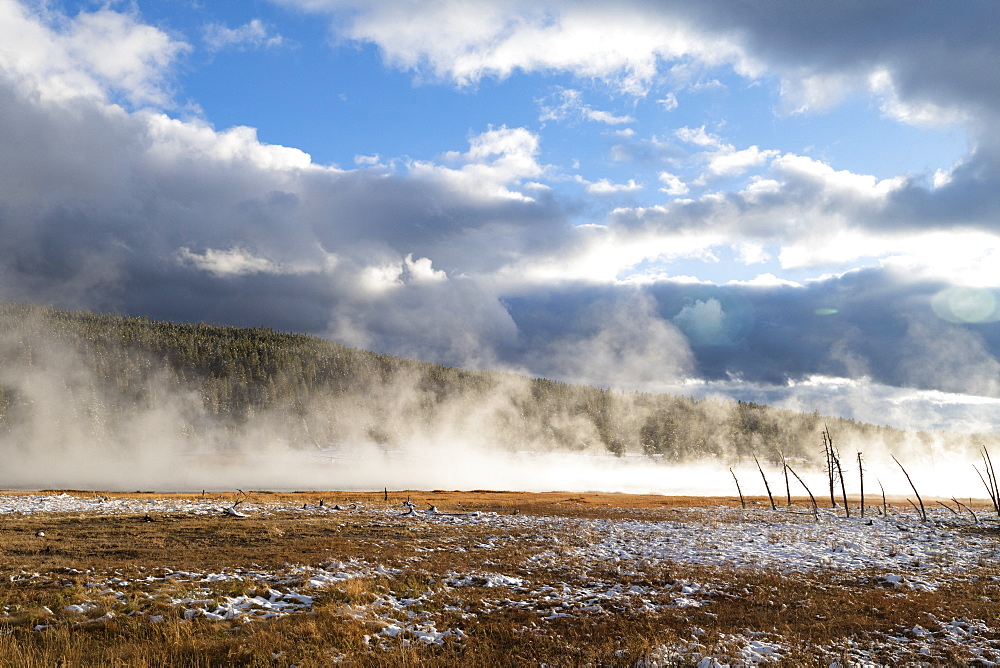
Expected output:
(488, 578)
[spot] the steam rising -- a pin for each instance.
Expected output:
(68, 428)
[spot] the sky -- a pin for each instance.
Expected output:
(784, 202)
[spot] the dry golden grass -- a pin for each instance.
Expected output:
(42, 574)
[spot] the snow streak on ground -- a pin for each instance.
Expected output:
(908, 555)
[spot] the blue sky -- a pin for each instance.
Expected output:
(784, 201)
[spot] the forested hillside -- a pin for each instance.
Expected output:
(113, 379)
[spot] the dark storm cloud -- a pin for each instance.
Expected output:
(869, 323)
(430, 219)
(970, 199)
(938, 54)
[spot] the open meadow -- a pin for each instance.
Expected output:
(487, 578)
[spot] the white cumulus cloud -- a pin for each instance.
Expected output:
(672, 185)
(497, 160)
(606, 187)
(95, 54)
(231, 262)
(465, 42)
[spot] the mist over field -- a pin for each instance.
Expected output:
(103, 402)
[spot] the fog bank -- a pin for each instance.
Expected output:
(79, 414)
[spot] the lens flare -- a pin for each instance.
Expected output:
(967, 305)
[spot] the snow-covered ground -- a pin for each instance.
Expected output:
(899, 552)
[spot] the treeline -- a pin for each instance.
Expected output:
(105, 376)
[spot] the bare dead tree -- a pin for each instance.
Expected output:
(828, 451)
(742, 500)
(766, 486)
(991, 478)
(989, 490)
(992, 474)
(788, 489)
(923, 512)
(232, 510)
(975, 520)
(885, 506)
(833, 457)
(811, 497)
(861, 474)
(945, 505)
